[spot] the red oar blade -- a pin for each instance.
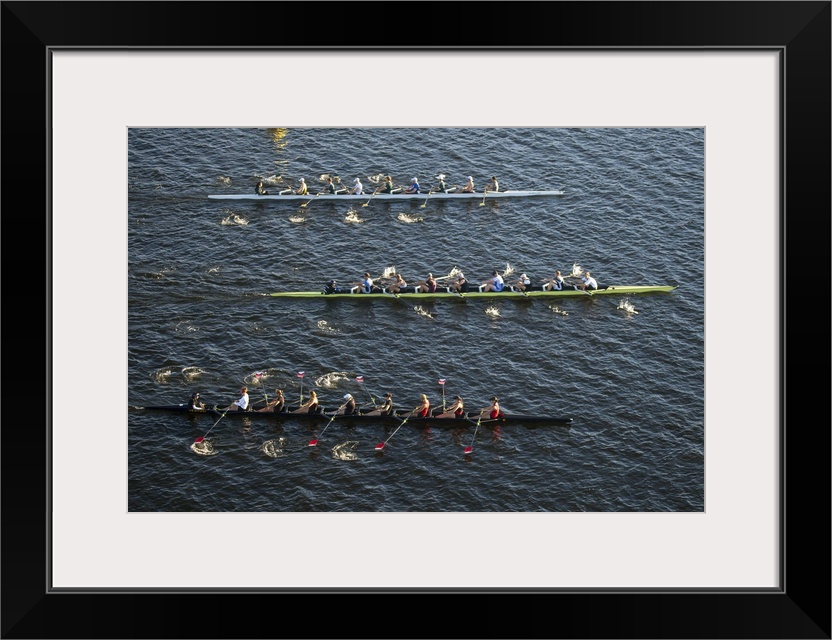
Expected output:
(468, 450)
(199, 439)
(379, 446)
(313, 442)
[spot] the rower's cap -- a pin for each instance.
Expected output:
(460, 276)
(302, 180)
(523, 275)
(430, 275)
(356, 180)
(195, 395)
(347, 396)
(471, 178)
(415, 180)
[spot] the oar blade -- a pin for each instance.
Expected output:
(199, 439)
(379, 446)
(468, 450)
(313, 442)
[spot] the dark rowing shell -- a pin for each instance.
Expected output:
(399, 415)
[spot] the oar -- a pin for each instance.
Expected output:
(360, 380)
(470, 447)
(300, 375)
(314, 441)
(424, 204)
(201, 438)
(306, 204)
(482, 204)
(380, 445)
(259, 376)
(442, 384)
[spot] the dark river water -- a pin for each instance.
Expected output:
(629, 371)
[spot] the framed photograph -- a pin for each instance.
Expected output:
(672, 522)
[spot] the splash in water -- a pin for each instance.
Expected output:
(330, 380)
(192, 373)
(345, 450)
(388, 272)
(409, 219)
(625, 305)
(509, 270)
(297, 219)
(214, 270)
(234, 220)
(577, 271)
(162, 375)
(422, 312)
(323, 327)
(273, 180)
(494, 312)
(223, 180)
(274, 448)
(377, 178)
(558, 310)
(204, 448)
(352, 218)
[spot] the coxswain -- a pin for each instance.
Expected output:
(242, 403)
(195, 403)
(259, 190)
(331, 288)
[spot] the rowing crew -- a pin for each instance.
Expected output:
(396, 284)
(349, 406)
(387, 186)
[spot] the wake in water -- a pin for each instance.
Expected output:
(557, 310)
(330, 380)
(625, 305)
(352, 217)
(234, 220)
(324, 328)
(345, 451)
(409, 219)
(204, 448)
(274, 448)
(185, 327)
(422, 312)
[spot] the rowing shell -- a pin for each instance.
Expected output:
(505, 293)
(399, 415)
(379, 197)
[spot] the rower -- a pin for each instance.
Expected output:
(310, 406)
(461, 285)
(428, 285)
(276, 405)
(523, 282)
(588, 282)
(469, 186)
(456, 410)
(442, 187)
(242, 403)
(366, 285)
(358, 189)
(492, 185)
(496, 283)
(387, 187)
(329, 187)
(423, 410)
(414, 186)
(386, 408)
(302, 189)
(195, 403)
(348, 408)
(259, 190)
(555, 284)
(399, 285)
(493, 409)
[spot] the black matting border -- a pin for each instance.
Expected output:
(800, 31)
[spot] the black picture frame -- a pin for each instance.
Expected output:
(800, 31)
